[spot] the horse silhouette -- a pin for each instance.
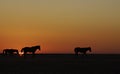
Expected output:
(10, 51)
(82, 50)
(30, 49)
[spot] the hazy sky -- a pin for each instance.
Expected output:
(59, 26)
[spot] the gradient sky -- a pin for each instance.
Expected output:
(59, 26)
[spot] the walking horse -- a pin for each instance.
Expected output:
(30, 49)
(10, 51)
(82, 50)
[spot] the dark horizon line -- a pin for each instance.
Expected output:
(73, 54)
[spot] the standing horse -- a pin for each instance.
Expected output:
(82, 50)
(30, 49)
(10, 51)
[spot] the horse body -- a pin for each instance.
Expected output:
(10, 51)
(82, 50)
(30, 49)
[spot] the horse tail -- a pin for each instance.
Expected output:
(3, 51)
(75, 50)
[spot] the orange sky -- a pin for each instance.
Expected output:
(60, 26)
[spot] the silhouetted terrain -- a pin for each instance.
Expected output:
(61, 64)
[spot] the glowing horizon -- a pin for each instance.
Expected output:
(60, 26)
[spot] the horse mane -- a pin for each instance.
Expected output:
(36, 46)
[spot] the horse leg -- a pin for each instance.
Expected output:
(76, 53)
(17, 53)
(24, 54)
(6, 53)
(84, 53)
(33, 54)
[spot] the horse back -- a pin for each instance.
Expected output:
(78, 49)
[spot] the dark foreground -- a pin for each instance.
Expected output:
(61, 64)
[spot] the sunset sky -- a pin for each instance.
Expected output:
(59, 26)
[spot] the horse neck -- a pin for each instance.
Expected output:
(36, 47)
(22, 50)
(89, 49)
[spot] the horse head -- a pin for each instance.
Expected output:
(90, 49)
(38, 47)
(22, 49)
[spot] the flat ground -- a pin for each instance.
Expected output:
(61, 64)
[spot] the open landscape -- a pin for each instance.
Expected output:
(61, 64)
(59, 37)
